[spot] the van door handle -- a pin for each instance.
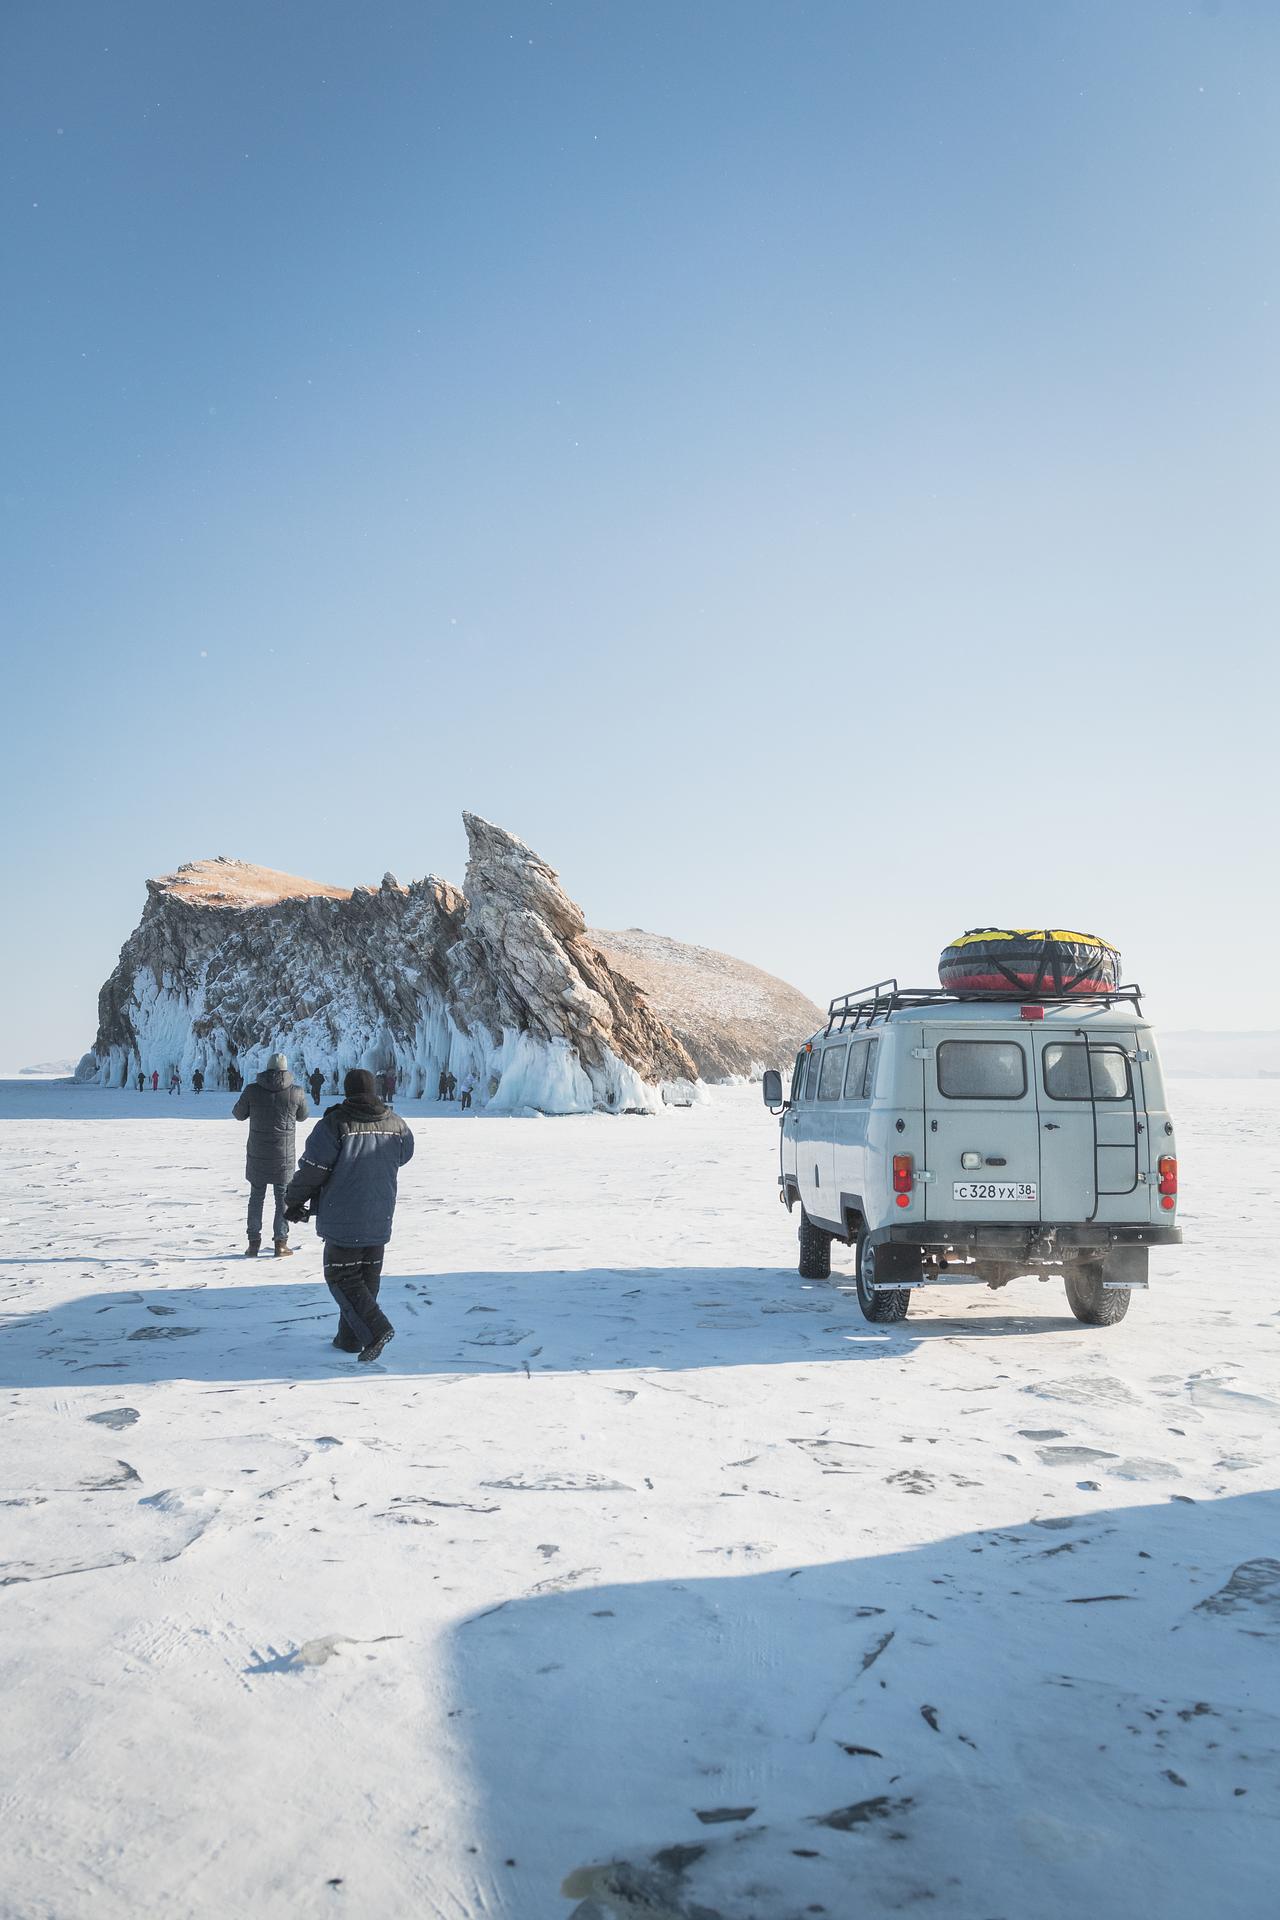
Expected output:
(1051, 1126)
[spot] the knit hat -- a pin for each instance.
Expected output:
(358, 1085)
(279, 1063)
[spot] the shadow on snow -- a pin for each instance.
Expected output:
(591, 1320)
(1063, 1717)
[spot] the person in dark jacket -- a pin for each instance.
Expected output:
(197, 1081)
(235, 1079)
(348, 1171)
(272, 1106)
(142, 1081)
(443, 1093)
(316, 1084)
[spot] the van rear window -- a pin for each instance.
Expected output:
(1067, 1066)
(982, 1070)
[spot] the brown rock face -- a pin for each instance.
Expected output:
(732, 1018)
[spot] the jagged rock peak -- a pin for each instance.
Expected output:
(504, 870)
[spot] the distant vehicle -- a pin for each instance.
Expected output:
(956, 1139)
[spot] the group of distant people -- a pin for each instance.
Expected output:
(345, 1181)
(175, 1081)
(450, 1090)
(385, 1083)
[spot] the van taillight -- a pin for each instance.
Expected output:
(1167, 1167)
(904, 1177)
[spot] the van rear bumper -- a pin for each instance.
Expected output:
(1019, 1240)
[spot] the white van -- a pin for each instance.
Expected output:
(958, 1139)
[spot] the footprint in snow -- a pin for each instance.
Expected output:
(911, 1480)
(1251, 1597)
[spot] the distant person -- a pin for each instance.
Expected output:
(349, 1169)
(453, 1085)
(272, 1106)
(316, 1084)
(468, 1088)
(142, 1081)
(235, 1079)
(155, 1080)
(442, 1092)
(175, 1082)
(389, 1083)
(197, 1081)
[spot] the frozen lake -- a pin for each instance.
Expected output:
(636, 1550)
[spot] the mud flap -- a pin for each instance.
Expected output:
(1125, 1270)
(897, 1264)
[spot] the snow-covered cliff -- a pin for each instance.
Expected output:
(231, 963)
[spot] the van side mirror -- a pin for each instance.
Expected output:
(772, 1087)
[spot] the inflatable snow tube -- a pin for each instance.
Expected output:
(1032, 960)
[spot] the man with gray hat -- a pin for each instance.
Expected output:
(272, 1105)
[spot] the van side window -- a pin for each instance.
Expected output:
(1067, 1064)
(832, 1074)
(869, 1077)
(811, 1085)
(982, 1070)
(797, 1077)
(857, 1067)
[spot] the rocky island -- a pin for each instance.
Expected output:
(502, 981)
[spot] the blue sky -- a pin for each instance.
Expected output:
(808, 468)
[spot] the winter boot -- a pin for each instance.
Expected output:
(251, 1251)
(283, 1249)
(372, 1351)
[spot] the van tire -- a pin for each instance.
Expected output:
(880, 1308)
(815, 1250)
(1089, 1299)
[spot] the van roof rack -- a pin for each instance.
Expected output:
(876, 1002)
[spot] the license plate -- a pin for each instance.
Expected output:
(994, 1190)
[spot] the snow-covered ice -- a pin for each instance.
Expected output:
(642, 1576)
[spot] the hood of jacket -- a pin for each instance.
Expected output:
(356, 1110)
(275, 1078)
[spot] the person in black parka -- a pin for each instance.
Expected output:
(272, 1105)
(348, 1171)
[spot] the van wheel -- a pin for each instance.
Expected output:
(1088, 1298)
(878, 1307)
(815, 1250)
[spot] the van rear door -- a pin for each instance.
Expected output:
(1093, 1153)
(980, 1100)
